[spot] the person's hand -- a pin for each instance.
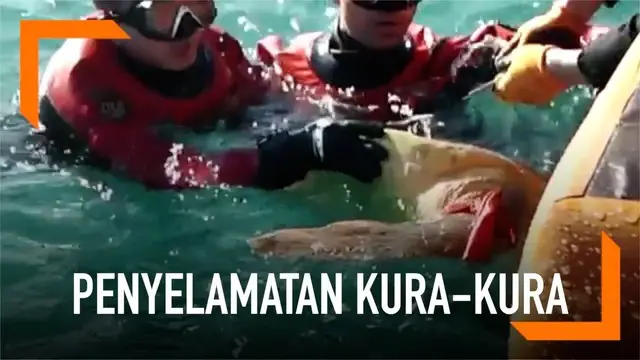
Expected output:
(347, 147)
(526, 79)
(556, 17)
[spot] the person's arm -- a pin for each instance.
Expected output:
(535, 74)
(583, 9)
(279, 160)
(596, 63)
(598, 60)
(569, 14)
(157, 163)
(124, 145)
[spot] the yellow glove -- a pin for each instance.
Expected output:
(526, 79)
(555, 17)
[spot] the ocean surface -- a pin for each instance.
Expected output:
(56, 222)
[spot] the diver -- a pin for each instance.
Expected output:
(377, 64)
(104, 99)
(536, 73)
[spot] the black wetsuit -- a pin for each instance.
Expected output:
(348, 63)
(598, 60)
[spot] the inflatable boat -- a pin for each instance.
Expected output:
(591, 205)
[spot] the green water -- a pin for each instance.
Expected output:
(55, 223)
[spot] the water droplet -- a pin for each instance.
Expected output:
(588, 290)
(564, 241)
(600, 216)
(574, 248)
(565, 270)
(294, 24)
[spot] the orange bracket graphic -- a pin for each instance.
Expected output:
(31, 31)
(607, 329)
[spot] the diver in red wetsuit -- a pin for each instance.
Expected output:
(108, 97)
(380, 65)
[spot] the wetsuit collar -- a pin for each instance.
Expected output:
(171, 83)
(343, 62)
(342, 43)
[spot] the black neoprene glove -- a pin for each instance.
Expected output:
(346, 147)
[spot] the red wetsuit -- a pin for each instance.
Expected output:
(423, 78)
(113, 113)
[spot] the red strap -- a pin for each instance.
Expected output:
(482, 237)
(487, 226)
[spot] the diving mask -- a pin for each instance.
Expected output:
(386, 5)
(168, 20)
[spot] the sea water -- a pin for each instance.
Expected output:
(55, 223)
